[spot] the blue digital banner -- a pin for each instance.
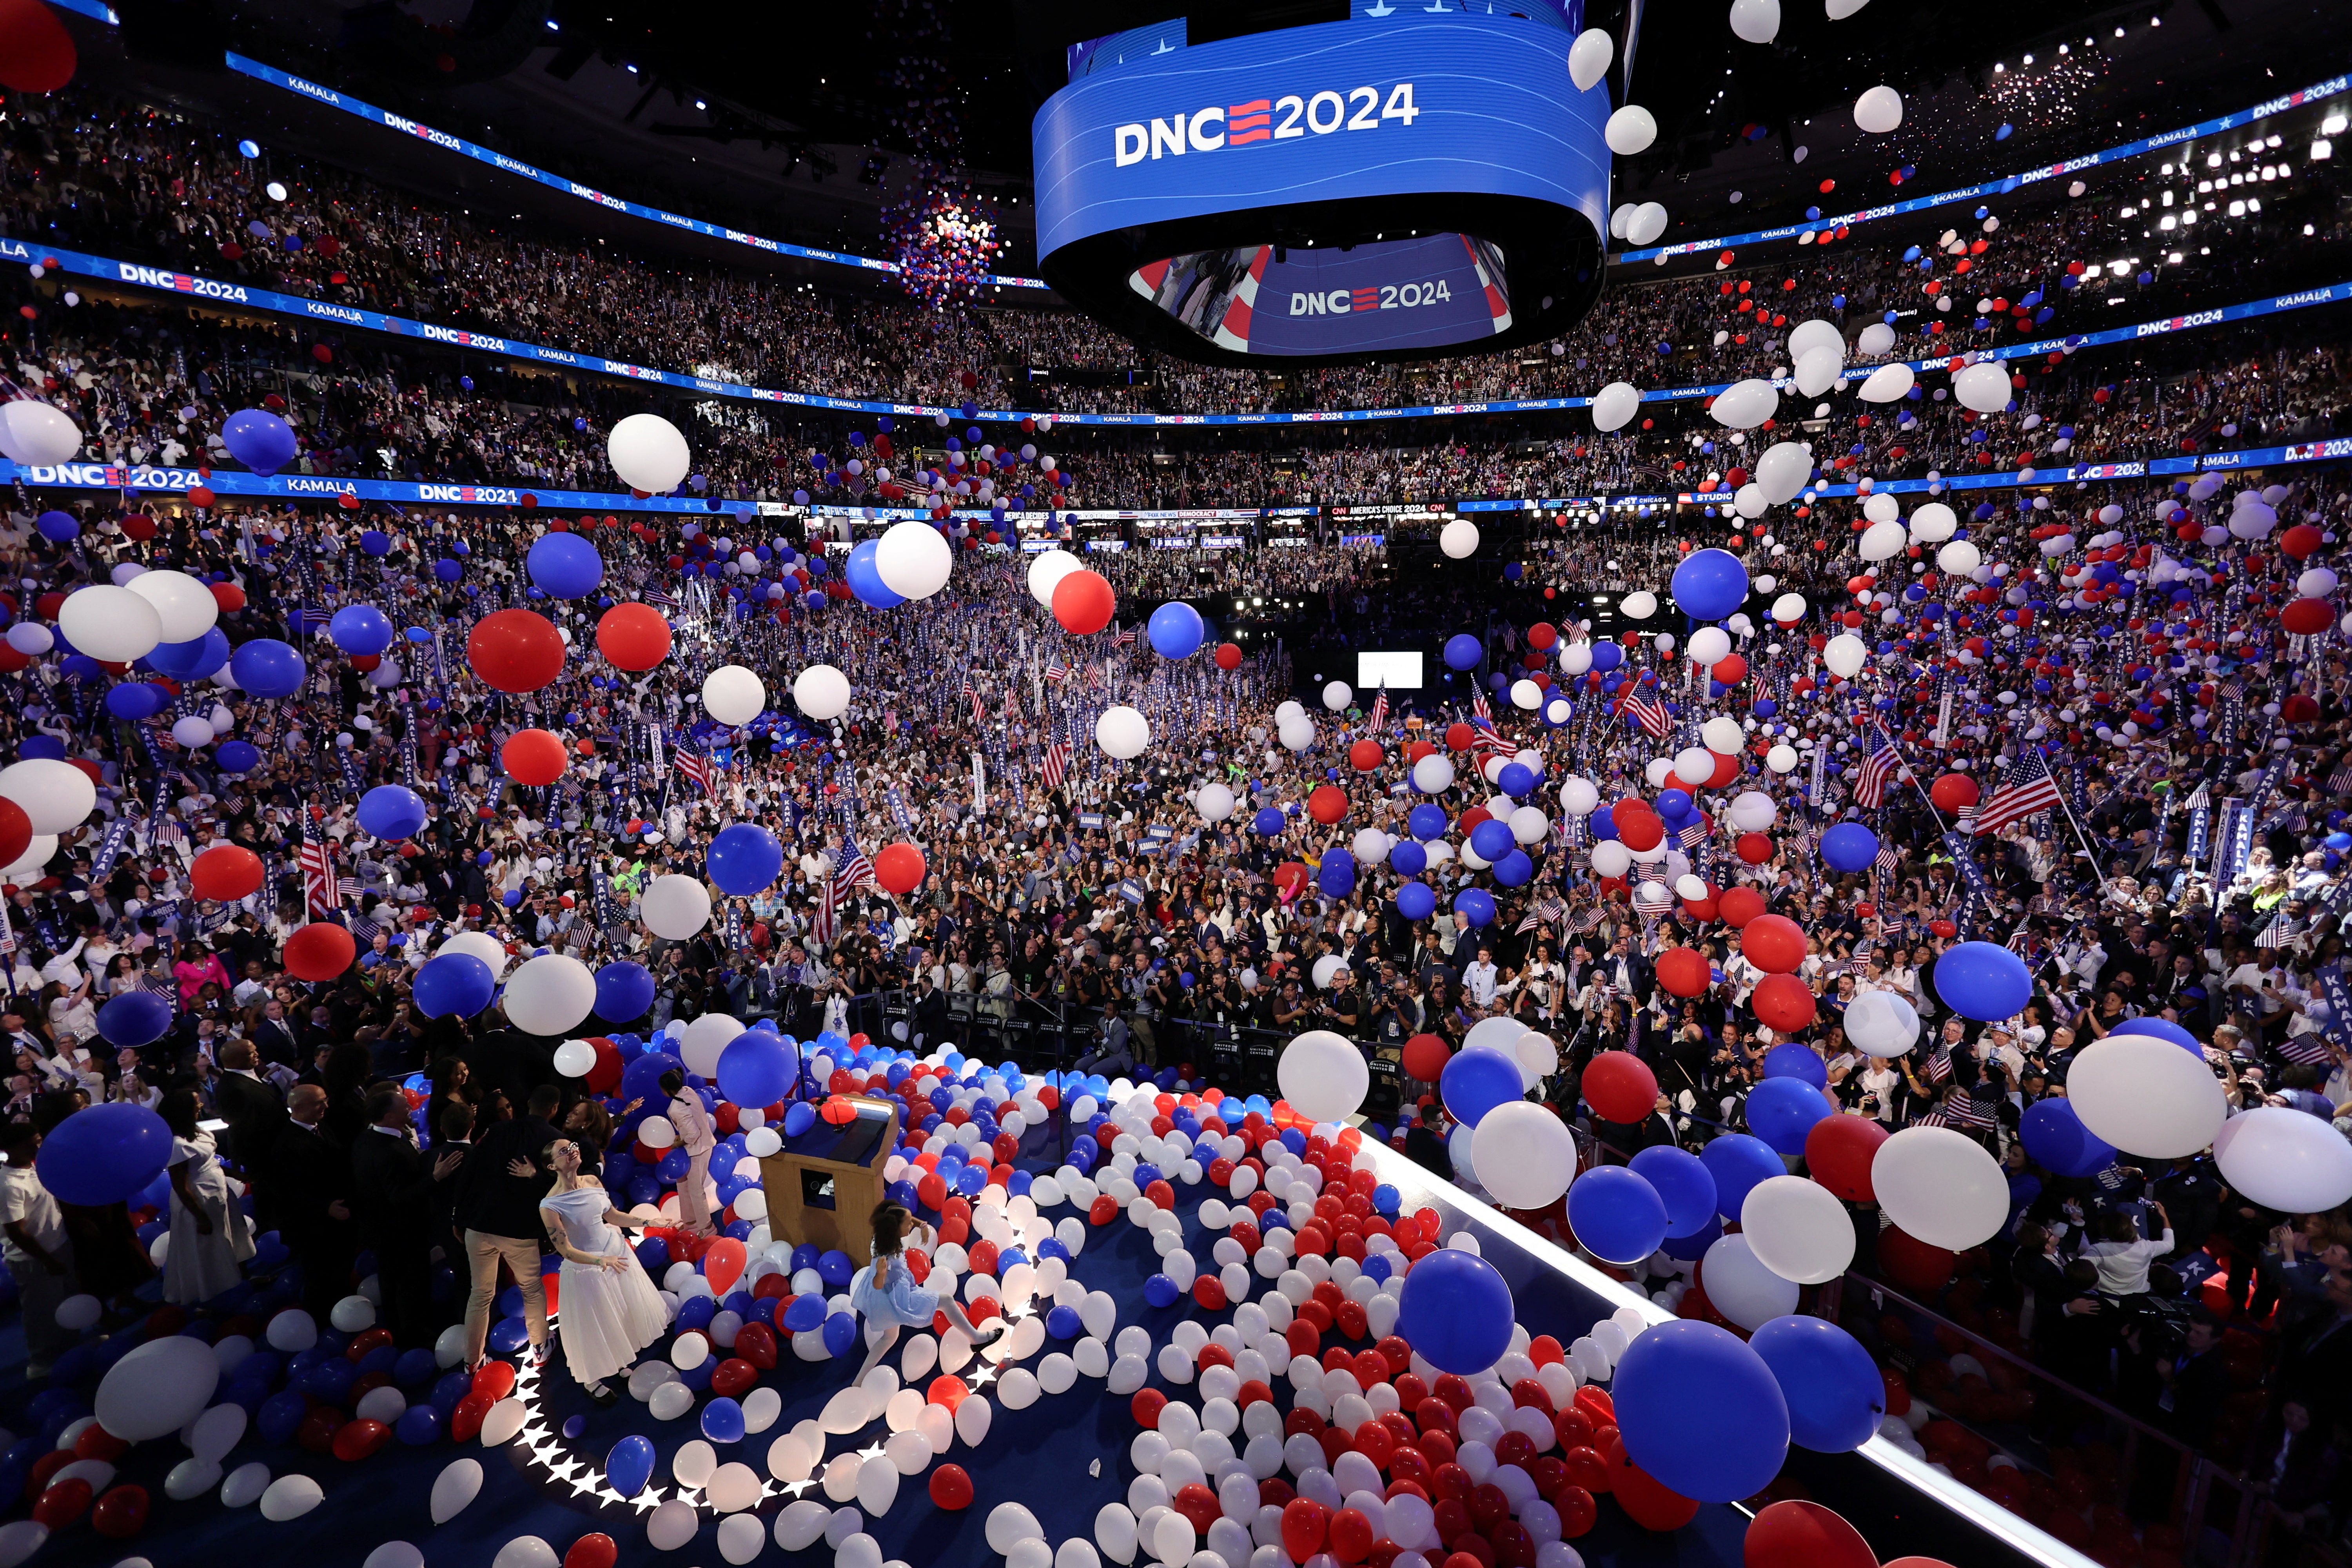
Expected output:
(480, 154)
(1428, 292)
(198, 288)
(1378, 106)
(2006, 182)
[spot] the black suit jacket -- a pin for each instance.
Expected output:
(495, 1203)
(311, 1170)
(392, 1191)
(255, 1110)
(275, 1040)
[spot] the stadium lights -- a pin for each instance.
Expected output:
(2322, 150)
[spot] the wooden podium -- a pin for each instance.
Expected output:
(824, 1185)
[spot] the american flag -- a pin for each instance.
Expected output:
(1648, 711)
(1590, 919)
(978, 709)
(2306, 1048)
(1967, 1110)
(660, 600)
(853, 873)
(1056, 766)
(2340, 781)
(1889, 857)
(1056, 673)
(1123, 636)
(1939, 1066)
(2029, 789)
(1379, 710)
(1870, 783)
(1479, 712)
(1544, 914)
(2280, 933)
(1690, 833)
(696, 766)
(321, 890)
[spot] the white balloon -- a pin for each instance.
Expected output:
(1614, 405)
(704, 1039)
(394, 1554)
(1934, 523)
(575, 1058)
(1756, 21)
(1844, 654)
(1122, 732)
(1646, 224)
(1214, 803)
(525, 1552)
(1751, 810)
(1959, 558)
(36, 434)
(1526, 1154)
(1010, 1525)
(672, 1524)
(1433, 775)
(1818, 369)
(821, 691)
(1629, 131)
(733, 695)
(1878, 111)
(1887, 382)
(551, 995)
(215, 1432)
(1115, 1531)
(1882, 1023)
(914, 560)
(1798, 1229)
(1458, 538)
(1983, 387)
(1579, 796)
(1941, 1186)
(2281, 1158)
(290, 1497)
(1323, 1076)
(1048, 570)
(1639, 605)
(1588, 62)
(1782, 470)
(115, 625)
(184, 605)
(675, 907)
(1745, 404)
(245, 1484)
(1610, 858)
(1709, 645)
(158, 1388)
(648, 453)
(1336, 696)
(481, 945)
(1883, 542)
(1741, 1287)
(2146, 1096)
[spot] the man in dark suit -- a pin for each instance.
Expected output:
(2196, 1384)
(394, 1190)
(456, 1131)
(312, 1174)
(505, 1179)
(274, 1036)
(511, 1061)
(255, 1110)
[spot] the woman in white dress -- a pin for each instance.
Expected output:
(607, 1310)
(210, 1233)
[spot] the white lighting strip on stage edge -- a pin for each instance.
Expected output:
(1995, 1521)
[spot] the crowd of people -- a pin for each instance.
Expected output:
(1084, 908)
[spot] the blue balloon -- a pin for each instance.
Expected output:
(1982, 981)
(1064, 1322)
(1782, 1110)
(419, 1425)
(1477, 904)
(392, 812)
(864, 578)
(1849, 847)
(1683, 1184)
(1616, 1213)
(137, 699)
(453, 985)
(266, 667)
(1492, 839)
(1513, 870)
(1463, 651)
(104, 1154)
(281, 1413)
(1607, 656)
(1416, 900)
(361, 630)
(625, 990)
(1159, 1291)
(2054, 1136)
(238, 756)
(192, 659)
(1455, 1312)
(1478, 1079)
(1709, 584)
(1834, 1393)
(1700, 1411)
(1426, 821)
(1738, 1162)
(1269, 821)
(2163, 1029)
(134, 1018)
(1408, 858)
(744, 858)
(799, 1118)
(756, 1067)
(1176, 630)
(1792, 1059)
(630, 1465)
(840, 1333)
(722, 1421)
(260, 439)
(565, 565)
(1517, 780)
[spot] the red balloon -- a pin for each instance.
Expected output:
(595, 1549)
(633, 636)
(1912, 1264)
(1327, 805)
(355, 1440)
(1953, 793)
(121, 1513)
(1838, 1152)
(2307, 616)
(16, 832)
(950, 1488)
(1754, 847)
(723, 1265)
(899, 868)
(1365, 755)
(1796, 1534)
(1774, 944)
(1643, 831)
(515, 650)
(1620, 1087)
(1350, 1538)
(1425, 1057)
(1683, 971)
(37, 53)
(1082, 601)
(62, 1504)
(1648, 1502)
(734, 1377)
(225, 872)
(1738, 906)
(1782, 1002)
(1306, 1524)
(1229, 657)
(534, 756)
(759, 1349)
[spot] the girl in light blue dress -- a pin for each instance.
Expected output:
(885, 1293)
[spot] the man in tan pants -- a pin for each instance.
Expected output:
(697, 1138)
(507, 1175)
